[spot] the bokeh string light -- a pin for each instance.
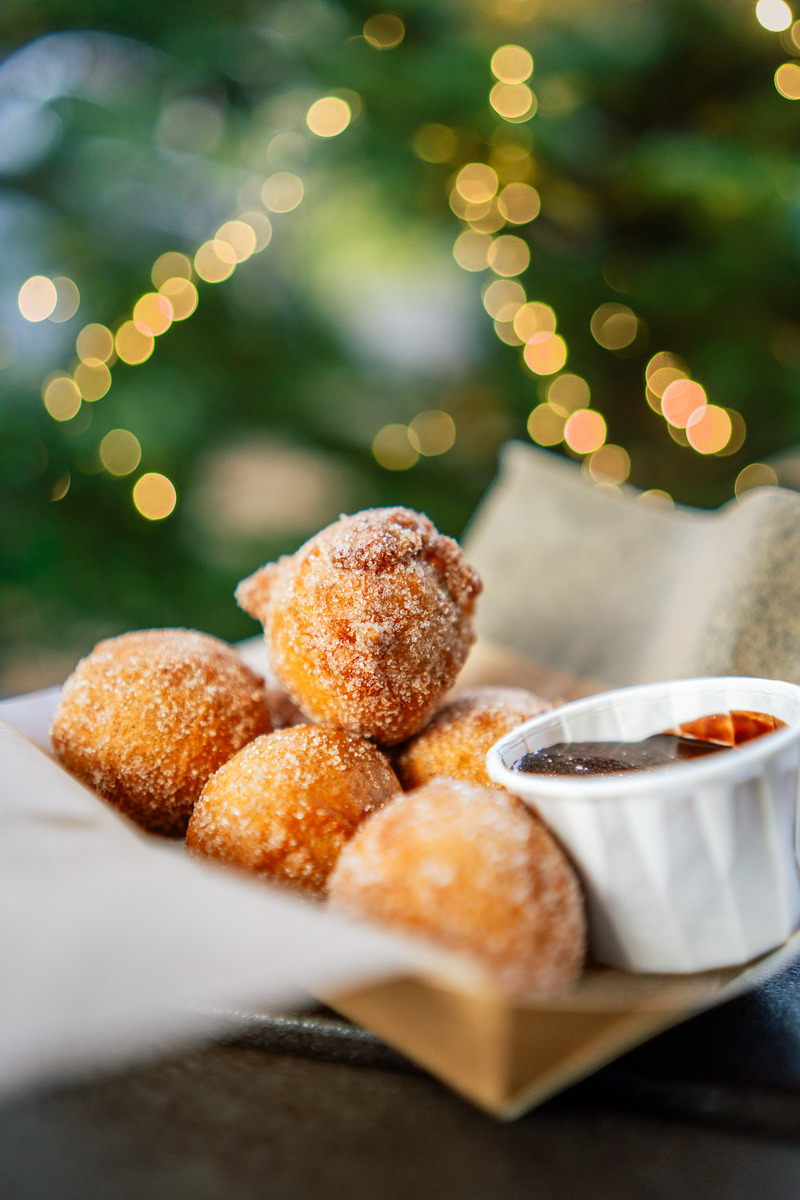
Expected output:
(691, 420)
(37, 298)
(773, 15)
(43, 299)
(154, 496)
(384, 31)
(495, 201)
(486, 197)
(98, 347)
(777, 17)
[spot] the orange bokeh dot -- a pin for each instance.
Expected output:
(585, 431)
(545, 353)
(681, 399)
(709, 429)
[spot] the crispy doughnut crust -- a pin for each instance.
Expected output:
(282, 709)
(459, 735)
(147, 717)
(471, 869)
(285, 805)
(368, 624)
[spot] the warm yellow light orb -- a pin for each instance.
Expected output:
(773, 15)
(609, 464)
(512, 64)
(546, 426)
(170, 265)
(261, 227)
(393, 450)
(532, 318)
(68, 299)
(513, 101)
(509, 255)
(384, 31)
(282, 192)
(37, 298)
(435, 143)
(120, 452)
(61, 396)
(477, 182)
(471, 250)
(519, 203)
(329, 116)
(182, 295)
(787, 80)
(132, 345)
(154, 496)
(567, 393)
(753, 476)
(614, 326)
(152, 313)
(95, 342)
(503, 299)
(545, 353)
(93, 379)
(215, 261)
(432, 432)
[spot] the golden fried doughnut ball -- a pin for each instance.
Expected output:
(469, 868)
(368, 624)
(147, 717)
(285, 805)
(458, 737)
(282, 709)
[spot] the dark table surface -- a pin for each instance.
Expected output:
(308, 1105)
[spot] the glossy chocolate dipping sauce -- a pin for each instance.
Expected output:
(692, 740)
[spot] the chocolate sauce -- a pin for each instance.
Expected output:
(693, 740)
(610, 758)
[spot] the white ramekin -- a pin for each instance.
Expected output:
(686, 867)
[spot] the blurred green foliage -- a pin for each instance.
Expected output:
(668, 172)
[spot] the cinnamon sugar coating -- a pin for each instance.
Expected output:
(471, 869)
(285, 805)
(459, 735)
(147, 717)
(282, 709)
(368, 624)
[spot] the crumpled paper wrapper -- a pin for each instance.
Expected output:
(599, 587)
(115, 943)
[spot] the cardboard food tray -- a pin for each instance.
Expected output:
(583, 589)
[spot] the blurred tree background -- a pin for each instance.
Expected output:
(265, 262)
